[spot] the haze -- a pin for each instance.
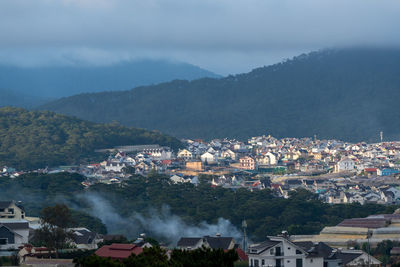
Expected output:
(223, 36)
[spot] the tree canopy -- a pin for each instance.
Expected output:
(34, 139)
(302, 213)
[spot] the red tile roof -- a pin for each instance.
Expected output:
(118, 251)
(242, 255)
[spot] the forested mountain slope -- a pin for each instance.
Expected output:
(350, 94)
(38, 139)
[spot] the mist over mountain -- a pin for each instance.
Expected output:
(58, 81)
(349, 94)
(18, 99)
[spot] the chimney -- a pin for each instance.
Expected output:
(285, 234)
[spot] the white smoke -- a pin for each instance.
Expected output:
(162, 225)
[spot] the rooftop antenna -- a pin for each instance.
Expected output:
(244, 226)
(381, 135)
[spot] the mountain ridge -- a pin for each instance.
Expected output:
(62, 81)
(347, 94)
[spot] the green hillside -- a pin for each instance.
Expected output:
(346, 94)
(36, 139)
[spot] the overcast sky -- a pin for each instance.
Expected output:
(224, 36)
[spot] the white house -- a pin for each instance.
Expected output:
(114, 166)
(162, 153)
(13, 233)
(279, 251)
(208, 158)
(11, 210)
(83, 238)
(177, 179)
(356, 258)
(185, 154)
(345, 164)
(228, 154)
(272, 158)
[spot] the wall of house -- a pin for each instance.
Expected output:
(5, 233)
(194, 165)
(12, 212)
(288, 259)
(23, 239)
(363, 259)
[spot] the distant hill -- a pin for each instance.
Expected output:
(350, 94)
(38, 139)
(17, 99)
(58, 81)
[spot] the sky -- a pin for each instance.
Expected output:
(224, 36)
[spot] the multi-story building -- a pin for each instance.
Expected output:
(281, 251)
(247, 163)
(11, 210)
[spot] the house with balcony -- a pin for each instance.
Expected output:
(11, 210)
(279, 251)
(247, 163)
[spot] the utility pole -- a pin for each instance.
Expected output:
(244, 226)
(381, 135)
(369, 234)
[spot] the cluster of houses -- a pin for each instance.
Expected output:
(340, 172)
(17, 229)
(329, 248)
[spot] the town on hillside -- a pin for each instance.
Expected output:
(339, 172)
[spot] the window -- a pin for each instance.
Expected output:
(3, 241)
(251, 262)
(278, 251)
(11, 210)
(256, 263)
(298, 251)
(262, 262)
(299, 262)
(2, 210)
(272, 252)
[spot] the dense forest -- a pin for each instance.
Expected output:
(38, 139)
(265, 214)
(58, 81)
(345, 94)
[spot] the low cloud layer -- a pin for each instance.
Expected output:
(224, 36)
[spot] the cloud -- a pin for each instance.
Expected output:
(192, 30)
